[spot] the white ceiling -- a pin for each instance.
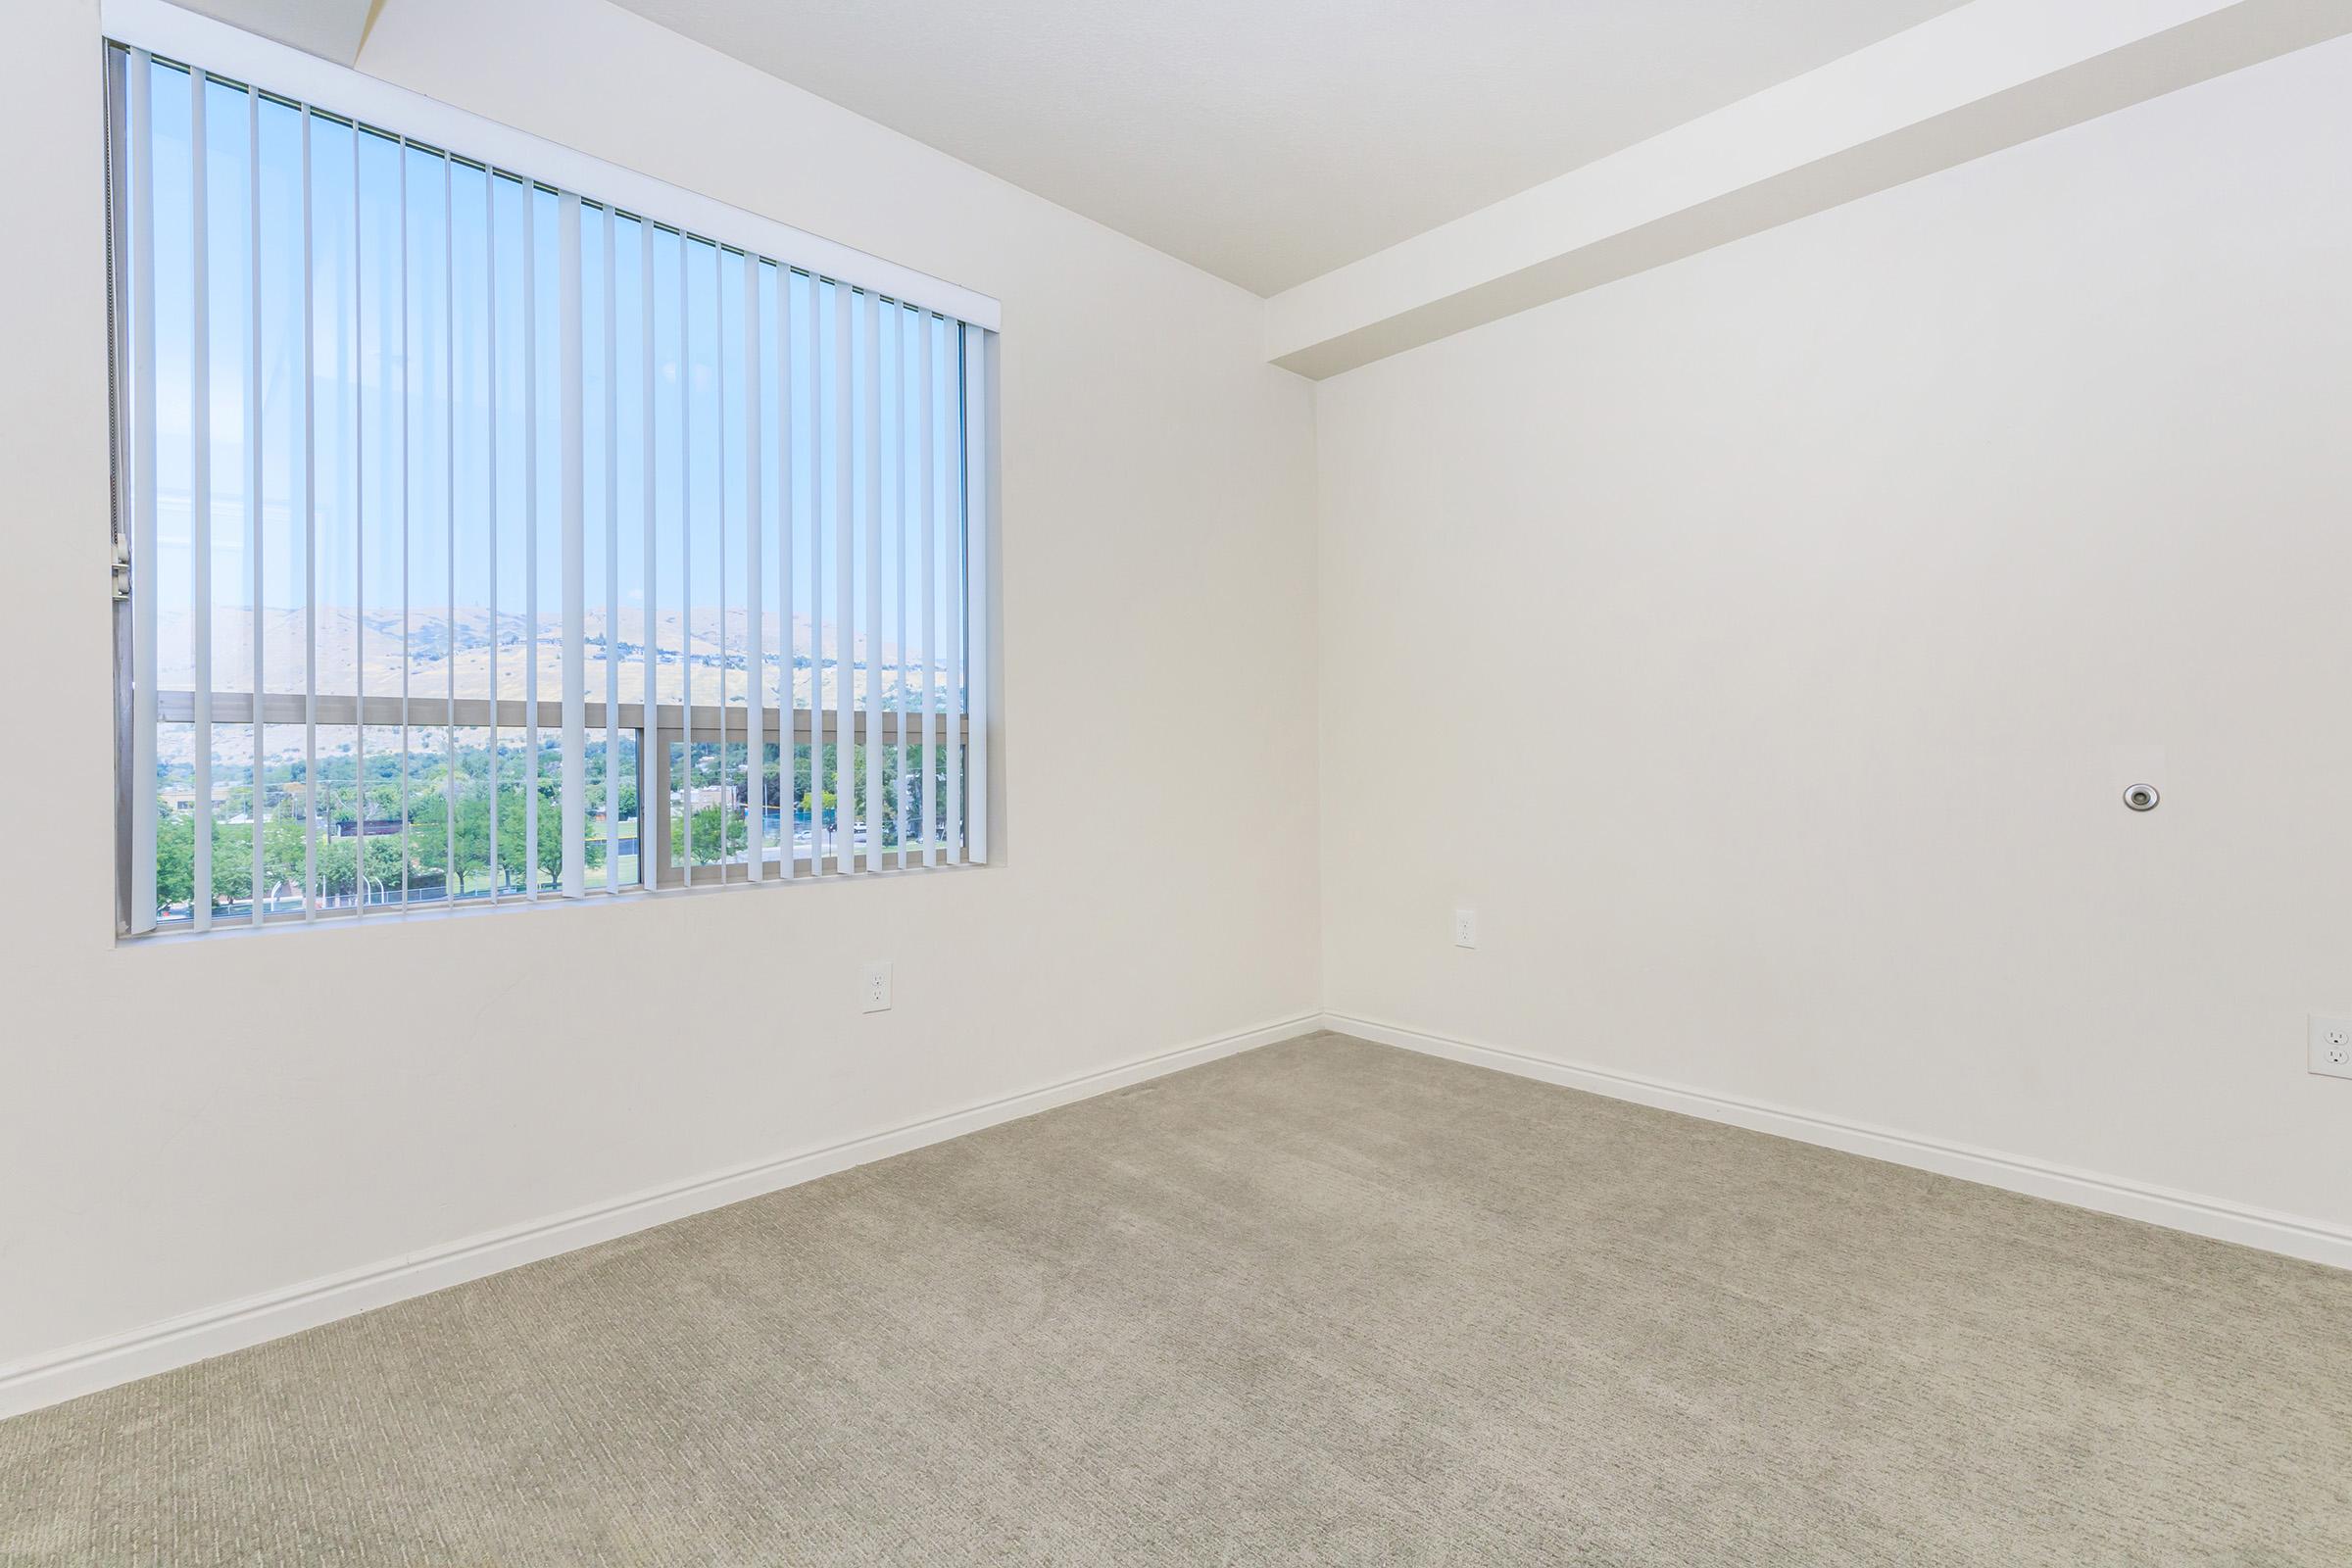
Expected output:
(1271, 140)
(333, 28)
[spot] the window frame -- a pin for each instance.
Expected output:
(230, 56)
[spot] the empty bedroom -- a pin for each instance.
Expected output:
(1177, 784)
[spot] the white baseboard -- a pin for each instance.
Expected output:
(80, 1369)
(31, 1383)
(2293, 1235)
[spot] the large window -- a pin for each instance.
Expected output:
(483, 539)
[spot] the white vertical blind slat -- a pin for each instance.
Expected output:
(490, 498)
(649, 745)
(871, 817)
(979, 507)
(952, 593)
(817, 461)
(310, 548)
(358, 545)
(787, 638)
(141, 138)
(407, 483)
(612, 435)
(530, 542)
(683, 782)
(899, 327)
(574, 783)
(452, 878)
(253, 464)
(928, 393)
(844, 432)
(718, 536)
(199, 495)
(754, 664)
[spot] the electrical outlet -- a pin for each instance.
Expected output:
(873, 986)
(2331, 1045)
(1465, 928)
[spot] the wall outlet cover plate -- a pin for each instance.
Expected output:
(2331, 1045)
(873, 986)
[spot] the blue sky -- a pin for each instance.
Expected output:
(371, 378)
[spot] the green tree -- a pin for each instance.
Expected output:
(282, 849)
(175, 858)
(232, 862)
(706, 831)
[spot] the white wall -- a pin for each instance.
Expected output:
(185, 1124)
(1750, 642)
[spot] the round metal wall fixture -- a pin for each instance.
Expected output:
(2141, 797)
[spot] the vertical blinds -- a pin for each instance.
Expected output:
(488, 543)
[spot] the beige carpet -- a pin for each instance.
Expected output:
(1325, 1302)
